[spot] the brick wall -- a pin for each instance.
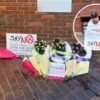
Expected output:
(78, 25)
(22, 16)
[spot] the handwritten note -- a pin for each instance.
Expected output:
(56, 69)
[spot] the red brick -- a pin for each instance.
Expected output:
(22, 0)
(23, 8)
(48, 16)
(11, 8)
(78, 25)
(76, 1)
(10, 0)
(1, 0)
(36, 24)
(3, 8)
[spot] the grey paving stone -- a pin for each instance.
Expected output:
(97, 78)
(38, 94)
(5, 69)
(62, 87)
(87, 92)
(6, 88)
(36, 78)
(12, 80)
(16, 90)
(1, 68)
(95, 83)
(42, 85)
(12, 64)
(95, 98)
(28, 94)
(32, 84)
(80, 94)
(19, 65)
(71, 86)
(83, 81)
(93, 89)
(71, 96)
(50, 96)
(17, 73)
(1, 95)
(8, 73)
(57, 93)
(2, 79)
(21, 97)
(21, 82)
(65, 98)
(9, 97)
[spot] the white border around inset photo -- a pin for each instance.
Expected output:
(75, 20)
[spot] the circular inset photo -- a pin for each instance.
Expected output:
(86, 26)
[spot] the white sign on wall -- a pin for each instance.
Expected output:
(54, 5)
(20, 44)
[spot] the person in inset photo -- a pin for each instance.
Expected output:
(92, 32)
(94, 22)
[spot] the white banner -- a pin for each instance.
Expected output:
(54, 5)
(20, 44)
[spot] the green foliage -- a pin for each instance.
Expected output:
(40, 46)
(78, 49)
(59, 45)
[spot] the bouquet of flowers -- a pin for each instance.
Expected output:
(60, 51)
(77, 48)
(59, 45)
(80, 53)
(40, 46)
(39, 58)
(80, 63)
